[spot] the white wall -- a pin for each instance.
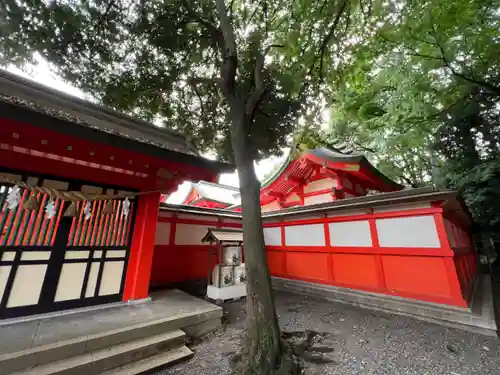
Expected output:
(189, 234)
(305, 235)
(292, 198)
(273, 206)
(320, 185)
(418, 231)
(350, 233)
(272, 236)
(162, 235)
(315, 199)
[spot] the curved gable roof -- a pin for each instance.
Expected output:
(214, 192)
(302, 166)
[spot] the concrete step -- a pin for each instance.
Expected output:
(158, 361)
(43, 354)
(102, 360)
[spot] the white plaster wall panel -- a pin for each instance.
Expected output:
(32, 180)
(197, 217)
(449, 231)
(94, 272)
(417, 231)
(90, 189)
(27, 285)
(74, 254)
(8, 256)
(70, 281)
(325, 183)
(350, 233)
(4, 275)
(115, 254)
(10, 176)
(61, 185)
(305, 235)
(35, 255)
(272, 236)
(111, 278)
(402, 207)
(162, 235)
(125, 192)
(315, 199)
(293, 197)
(189, 234)
(348, 213)
(273, 206)
(347, 183)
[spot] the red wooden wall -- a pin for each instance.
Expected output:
(175, 260)
(442, 273)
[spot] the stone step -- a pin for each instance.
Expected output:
(152, 363)
(43, 354)
(102, 360)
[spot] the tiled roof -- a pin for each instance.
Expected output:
(33, 96)
(223, 235)
(217, 192)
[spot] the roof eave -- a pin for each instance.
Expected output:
(39, 119)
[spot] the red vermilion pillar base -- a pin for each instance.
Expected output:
(142, 249)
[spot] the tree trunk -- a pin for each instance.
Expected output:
(263, 353)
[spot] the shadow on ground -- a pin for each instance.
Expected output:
(332, 338)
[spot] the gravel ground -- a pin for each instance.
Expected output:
(348, 340)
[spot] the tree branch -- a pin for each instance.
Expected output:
(408, 181)
(193, 83)
(447, 64)
(425, 56)
(230, 54)
(259, 90)
(329, 36)
(364, 148)
(322, 49)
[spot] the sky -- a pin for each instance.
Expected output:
(42, 74)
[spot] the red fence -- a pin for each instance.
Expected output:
(317, 250)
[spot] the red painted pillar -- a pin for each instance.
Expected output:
(448, 258)
(283, 249)
(142, 249)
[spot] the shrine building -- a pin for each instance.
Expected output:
(53, 140)
(334, 225)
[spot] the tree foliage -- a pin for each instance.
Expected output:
(423, 99)
(161, 59)
(421, 64)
